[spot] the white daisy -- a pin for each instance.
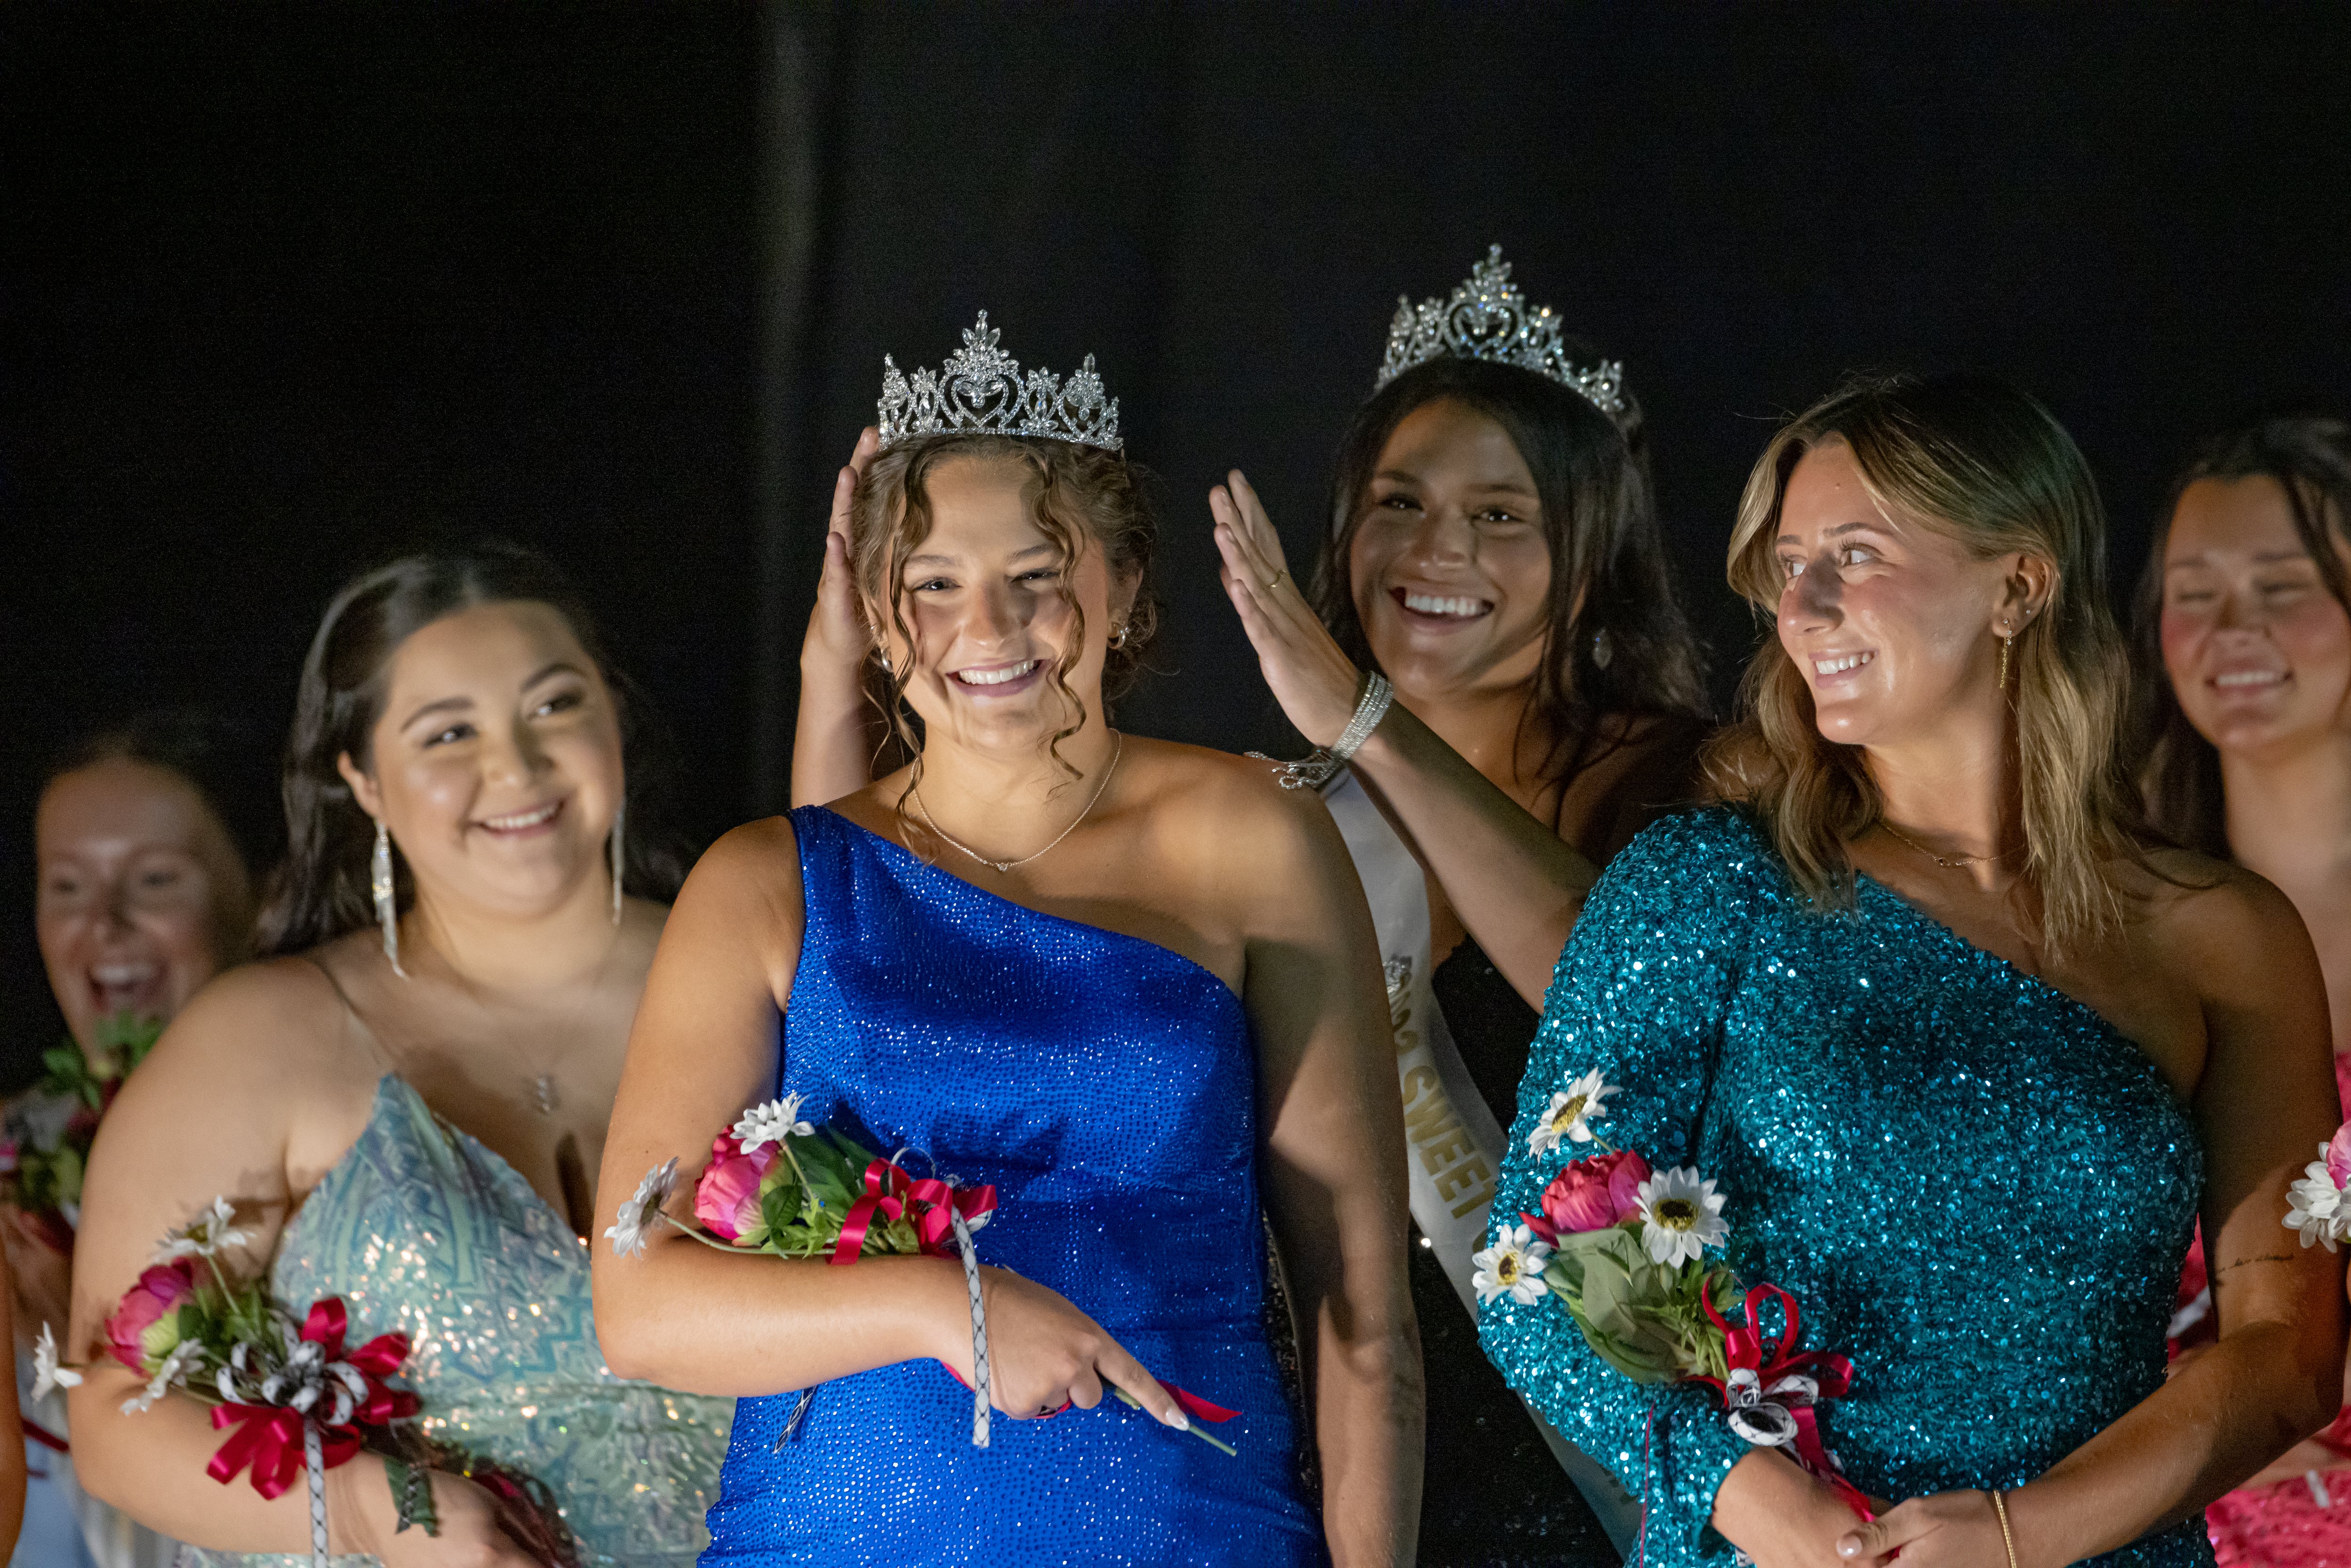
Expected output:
(2316, 1208)
(48, 1370)
(1681, 1216)
(1570, 1114)
(768, 1124)
(212, 1231)
(184, 1355)
(1512, 1267)
(627, 1231)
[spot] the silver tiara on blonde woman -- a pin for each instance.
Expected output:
(1488, 318)
(981, 391)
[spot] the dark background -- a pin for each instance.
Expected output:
(284, 291)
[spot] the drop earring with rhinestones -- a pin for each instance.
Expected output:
(387, 899)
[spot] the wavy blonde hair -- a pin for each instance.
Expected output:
(1986, 466)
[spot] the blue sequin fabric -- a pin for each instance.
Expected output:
(1972, 1185)
(425, 1231)
(1106, 1087)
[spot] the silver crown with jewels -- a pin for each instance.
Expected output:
(1488, 319)
(981, 391)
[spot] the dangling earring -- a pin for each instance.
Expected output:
(2006, 645)
(387, 903)
(620, 815)
(1118, 635)
(1602, 649)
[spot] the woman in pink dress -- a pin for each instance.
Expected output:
(2246, 602)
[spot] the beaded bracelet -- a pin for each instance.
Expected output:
(1999, 1507)
(1315, 768)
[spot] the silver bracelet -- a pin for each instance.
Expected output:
(1315, 768)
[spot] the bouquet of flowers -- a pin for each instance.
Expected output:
(292, 1396)
(41, 1166)
(777, 1185)
(1623, 1249)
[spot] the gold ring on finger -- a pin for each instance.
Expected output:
(1275, 580)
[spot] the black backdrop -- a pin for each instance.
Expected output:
(288, 288)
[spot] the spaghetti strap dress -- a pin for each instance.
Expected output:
(1107, 1088)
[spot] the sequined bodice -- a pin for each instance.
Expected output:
(1974, 1186)
(1106, 1087)
(422, 1229)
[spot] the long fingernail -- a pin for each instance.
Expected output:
(1181, 1422)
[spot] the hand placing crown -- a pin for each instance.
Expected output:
(1488, 319)
(981, 391)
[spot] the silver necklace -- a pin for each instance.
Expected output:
(1117, 752)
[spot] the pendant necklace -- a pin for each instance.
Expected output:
(1117, 752)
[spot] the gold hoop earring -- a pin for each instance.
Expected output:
(1118, 635)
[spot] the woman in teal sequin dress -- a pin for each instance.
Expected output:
(1965, 1055)
(406, 1117)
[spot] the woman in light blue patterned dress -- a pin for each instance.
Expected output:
(404, 1102)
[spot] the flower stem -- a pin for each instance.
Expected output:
(683, 1228)
(1132, 1403)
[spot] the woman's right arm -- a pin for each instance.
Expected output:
(704, 1048)
(209, 1113)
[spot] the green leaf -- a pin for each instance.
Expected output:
(412, 1496)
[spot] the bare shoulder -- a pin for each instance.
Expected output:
(1230, 805)
(757, 865)
(268, 1035)
(2215, 918)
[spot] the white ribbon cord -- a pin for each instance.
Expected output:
(1448, 1125)
(314, 1459)
(979, 1380)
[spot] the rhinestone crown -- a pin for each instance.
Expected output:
(1488, 319)
(981, 391)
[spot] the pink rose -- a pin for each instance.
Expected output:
(1596, 1193)
(2338, 1156)
(726, 1198)
(146, 1326)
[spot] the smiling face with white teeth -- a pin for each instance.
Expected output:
(495, 761)
(981, 600)
(2258, 650)
(141, 896)
(1451, 565)
(1893, 623)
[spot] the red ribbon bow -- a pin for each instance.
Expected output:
(1787, 1382)
(269, 1437)
(890, 1190)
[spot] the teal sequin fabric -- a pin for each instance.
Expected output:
(423, 1230)
(1971, 1183)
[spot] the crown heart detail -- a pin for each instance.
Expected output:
(1488, 319)
(981, 391)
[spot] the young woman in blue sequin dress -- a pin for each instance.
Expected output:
(407, 1117)
(1131, 985)
(1967, 1054)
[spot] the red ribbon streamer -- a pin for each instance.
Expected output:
(268, 1438)
(1743, 1349)
(891, 1191)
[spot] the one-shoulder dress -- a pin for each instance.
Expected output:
(1974, 1186)
(425, 1231)
(1106, 1087)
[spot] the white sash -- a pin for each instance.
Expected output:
(1455, 1145)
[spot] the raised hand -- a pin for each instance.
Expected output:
(838, 637)
(1315, 682)
(1044, 1355)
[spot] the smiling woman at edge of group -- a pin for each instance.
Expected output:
(997, 555)
(2247, 578)
(1918, 860)
(456, 710)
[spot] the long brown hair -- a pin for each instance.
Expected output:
(321, 889)
(2310, 457)
(1076, 494)
(1615, 640)
(1984, 463)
